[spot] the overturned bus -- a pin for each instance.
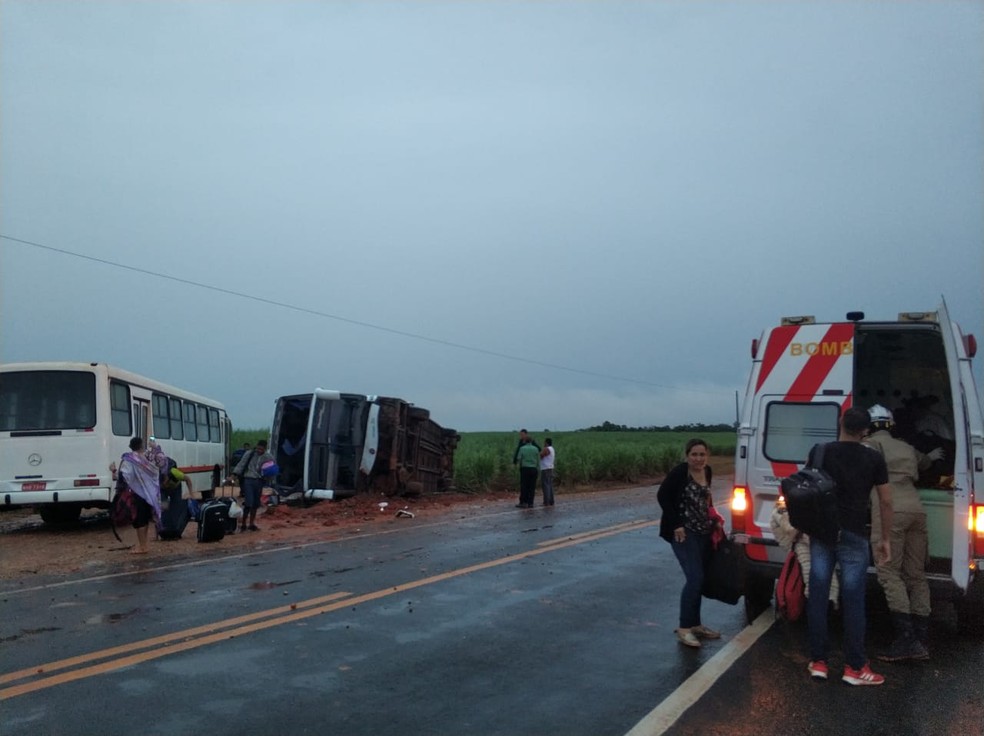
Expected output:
(329, 444)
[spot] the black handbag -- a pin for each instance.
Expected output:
(724, 574)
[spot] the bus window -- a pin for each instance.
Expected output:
(792, 429)
(177, 428)
(47, 400)
(202, 423)
(215, 431)
(119, 404)
(190, 428)
(162, 424)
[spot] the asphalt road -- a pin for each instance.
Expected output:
(547, 621)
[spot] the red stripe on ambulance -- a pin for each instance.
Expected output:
(779, 340)
(818, 366)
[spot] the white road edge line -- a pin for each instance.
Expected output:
(664, 715)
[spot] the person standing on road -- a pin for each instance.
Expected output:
(685, 498)
(903, 577)
(529, 462)
(546, 471)
(524, 437)
(248, 470)
(856, 469)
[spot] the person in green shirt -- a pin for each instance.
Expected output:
(528, 456)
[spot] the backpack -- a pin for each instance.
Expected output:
(811, 499)
(791, 590)
(168, 481)
(123, 506)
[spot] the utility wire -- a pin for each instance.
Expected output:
(347, 320)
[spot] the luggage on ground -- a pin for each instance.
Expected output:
(233, 511)
(174, 518)
(213, 518)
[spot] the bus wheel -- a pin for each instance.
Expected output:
(60, 513)
(758, 596)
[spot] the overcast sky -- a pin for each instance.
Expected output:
(540, 214)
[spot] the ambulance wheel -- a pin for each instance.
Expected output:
(60, 513)
(970, 617)
(758, 596)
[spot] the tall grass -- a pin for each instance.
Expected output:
(483, 460)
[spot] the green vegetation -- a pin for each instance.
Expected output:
(239, 436)
(483, 460)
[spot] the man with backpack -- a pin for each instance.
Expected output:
(249, 471)
(856, 469)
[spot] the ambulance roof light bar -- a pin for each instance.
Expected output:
(855, 316)
(806, 319)
(918, 317)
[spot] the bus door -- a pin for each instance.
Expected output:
(141, 418)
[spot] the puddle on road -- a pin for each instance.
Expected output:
(267, 585)
(29, 632)
(112, 618)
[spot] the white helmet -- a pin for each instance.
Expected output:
(880, 415)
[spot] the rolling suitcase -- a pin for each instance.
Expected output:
(212, 521)
(232, 523)
(174, 519)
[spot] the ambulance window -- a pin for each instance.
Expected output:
(792, 429)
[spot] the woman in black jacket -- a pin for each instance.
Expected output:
(685, 497)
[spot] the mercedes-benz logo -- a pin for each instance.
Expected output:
(34, 459)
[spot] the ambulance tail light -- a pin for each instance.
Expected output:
(739, 507)
(975, 523)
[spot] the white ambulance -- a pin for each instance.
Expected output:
(805, 373)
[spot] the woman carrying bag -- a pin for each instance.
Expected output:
(685, 498)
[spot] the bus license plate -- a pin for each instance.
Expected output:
(36, 486)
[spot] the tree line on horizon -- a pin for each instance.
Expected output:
(695, 428)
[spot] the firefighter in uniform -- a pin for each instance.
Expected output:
(903, 577)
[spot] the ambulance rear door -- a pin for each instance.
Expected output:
(968, 433)
(804, 383)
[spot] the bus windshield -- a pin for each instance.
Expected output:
(46, 400)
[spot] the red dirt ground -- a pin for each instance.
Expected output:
(29, 549)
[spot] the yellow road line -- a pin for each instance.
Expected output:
(637, 524)
(162, 640)
(274, 617)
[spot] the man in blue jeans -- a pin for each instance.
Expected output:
(855, 468)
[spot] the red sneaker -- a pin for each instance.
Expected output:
(863, 676)
(818, 670)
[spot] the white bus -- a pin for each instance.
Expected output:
(63, 424)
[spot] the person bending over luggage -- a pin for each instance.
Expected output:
(248, 471)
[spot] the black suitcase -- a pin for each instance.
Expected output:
(174, 518)
(212, 521)
(231, 523)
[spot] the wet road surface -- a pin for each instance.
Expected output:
(548, 621)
